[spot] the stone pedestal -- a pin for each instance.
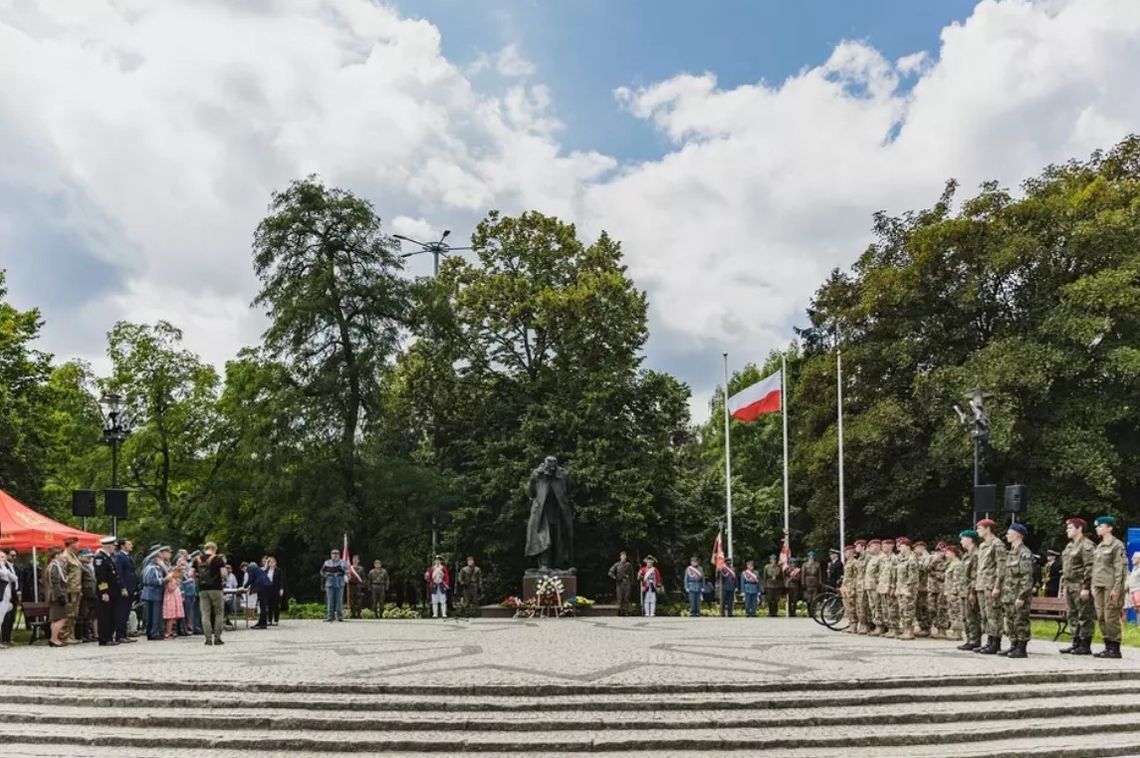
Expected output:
(569, 584)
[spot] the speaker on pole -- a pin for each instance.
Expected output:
(985, 498)
(83, 503)
(115, 503)
(1016, 498)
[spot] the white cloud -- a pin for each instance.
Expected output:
(159, 130)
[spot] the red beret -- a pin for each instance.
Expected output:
(920, 542)
(1080, 523)
(940, 546)
(987, 522)
(874, 542)
(861, 542)
(848, 547)
(902, 541)
(951, 549)
(885, 540)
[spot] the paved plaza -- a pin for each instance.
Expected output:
(609, 686)
(600, 651)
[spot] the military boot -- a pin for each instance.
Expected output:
(1073, 649)
(969, 645)
(991, 647)
(1017, 650)
(1111, 650)
(936, 634)
(890, 634)
(875, 632)
(1083, 646)
(1005, 653)
(907, 635)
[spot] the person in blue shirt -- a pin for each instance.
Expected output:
(156, 566)
(333, 572)
(694, 585)
(259, 583)
(192, 621)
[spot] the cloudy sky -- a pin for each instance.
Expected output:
(737, 148)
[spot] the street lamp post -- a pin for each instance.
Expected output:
(439, 249)
(979, 427)
(116, 429)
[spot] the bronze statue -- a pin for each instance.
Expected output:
(550, 529)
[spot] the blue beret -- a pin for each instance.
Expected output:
(1019, 528)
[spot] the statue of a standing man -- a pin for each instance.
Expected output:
(550, 529)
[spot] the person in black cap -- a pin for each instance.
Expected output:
(108, 590)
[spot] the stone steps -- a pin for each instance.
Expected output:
(1019, 714)
(949, 737)
(62, 694)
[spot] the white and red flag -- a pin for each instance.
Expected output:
(718, 552)
(785, 554)
(764, 396)
(347, 558)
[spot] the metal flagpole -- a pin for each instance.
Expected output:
(727, 459)
(839, 388)
(784, 413)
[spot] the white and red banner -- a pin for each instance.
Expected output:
(754, 401)
(348, 561)
(718, 552)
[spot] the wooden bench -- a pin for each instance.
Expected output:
(1051, 609)
(36, 620)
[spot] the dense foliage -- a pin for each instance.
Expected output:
(379, 407)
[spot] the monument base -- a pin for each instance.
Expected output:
(569, 583)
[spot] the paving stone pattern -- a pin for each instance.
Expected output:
(615, 686)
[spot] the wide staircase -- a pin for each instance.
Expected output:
(1002, 715)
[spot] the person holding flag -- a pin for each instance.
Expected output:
(650, 577)
(694, 586)
(438, 580)
(727, 579)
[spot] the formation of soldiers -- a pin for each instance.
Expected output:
(897, 589)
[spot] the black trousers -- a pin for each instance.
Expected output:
(106, 619)
(263, 600)
(773, 597)
(122, 613)
(274, 606)
(6, 626)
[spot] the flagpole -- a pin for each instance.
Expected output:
(727, 459)
(784, 413)
(839, 389)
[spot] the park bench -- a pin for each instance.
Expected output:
(1051, 609)
(36, 620)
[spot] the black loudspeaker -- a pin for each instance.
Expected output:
(115, 503)
(83, 503)
(1016, 498)
(985, 498)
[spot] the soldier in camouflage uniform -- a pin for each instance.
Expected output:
(971, 607)
(847, 591)
(952, 600)
(1076, 586)
(908, 582)
(991, 571)
(871, 565)
(1109, 575)
(888, 603)
(921, 605)
(935, 592)
(862, 610)
(1017, 590)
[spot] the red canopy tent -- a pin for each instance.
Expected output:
(24, 529)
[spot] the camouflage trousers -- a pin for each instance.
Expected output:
(863, 608)
(1108, 613)
(971, 613)
(937, 610)
(993, 621)
(874, 609)
(907, 604)
(1016, 621)
(953, 609)
(1081, 613)
(922, 610)
(888, 610)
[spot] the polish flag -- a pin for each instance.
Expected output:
(754, 401)
(347, 558)
(785, 554)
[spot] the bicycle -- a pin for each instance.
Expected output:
(827, 609)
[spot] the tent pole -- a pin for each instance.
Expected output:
(35, 576)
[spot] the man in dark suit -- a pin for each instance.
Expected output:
(108, 590)
(128, 581)
(277, 589)
(258, 582)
